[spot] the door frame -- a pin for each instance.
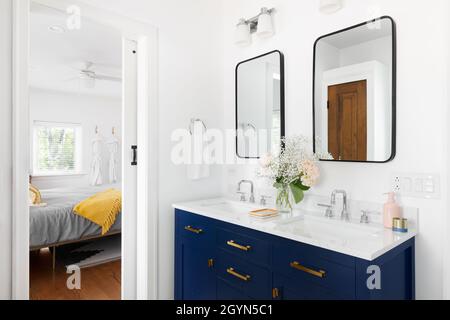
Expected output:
(143, 283)
(372, 72)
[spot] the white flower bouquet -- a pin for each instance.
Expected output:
(293, 171)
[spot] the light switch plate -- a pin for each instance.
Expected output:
(417, 185)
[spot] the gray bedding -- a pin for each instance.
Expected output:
(57, 222)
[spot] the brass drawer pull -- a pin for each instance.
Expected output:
(231, 243)
(298, 266)
(275, 293)
(238, 275)
(196, 231)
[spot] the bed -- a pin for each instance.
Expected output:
(56, 224)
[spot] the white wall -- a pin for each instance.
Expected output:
(378, 50)
(327, 59)
(422, 104)
(251, 98)
(446, 222)
(190, 85)
(89, 111)
(5, 146)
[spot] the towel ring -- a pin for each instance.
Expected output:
(248, 125)
(193, 122)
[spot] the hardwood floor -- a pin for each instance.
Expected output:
(97, 283)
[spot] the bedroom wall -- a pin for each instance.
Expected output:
(422, 105)
(5, 146)
(89, 111)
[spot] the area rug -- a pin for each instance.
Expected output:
(90, 254)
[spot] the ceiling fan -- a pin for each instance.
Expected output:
(88, 77)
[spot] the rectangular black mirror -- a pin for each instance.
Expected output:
(355, 92)
(259, 105)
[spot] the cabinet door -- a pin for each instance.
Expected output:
(198, 281)
(227, 292)
(292, 289)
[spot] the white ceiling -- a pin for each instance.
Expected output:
(360, 35)
(58, 57)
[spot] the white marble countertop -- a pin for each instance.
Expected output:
(368, 241)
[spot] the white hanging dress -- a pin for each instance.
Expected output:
(96, 166)
(113, 148)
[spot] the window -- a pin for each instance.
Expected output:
(56, 148)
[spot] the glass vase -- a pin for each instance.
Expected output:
(285, 200)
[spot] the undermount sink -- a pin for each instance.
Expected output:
(235, 207)
(330, 230)
(308, 224)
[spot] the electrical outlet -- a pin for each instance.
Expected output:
(417, 185)
(396, 183)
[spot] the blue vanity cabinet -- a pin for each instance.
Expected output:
(194, 258)
(218, 260)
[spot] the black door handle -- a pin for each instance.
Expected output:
(134, 148)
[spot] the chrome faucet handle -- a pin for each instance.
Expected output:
(345, 216)
(365, 216)
(263, 201)
(243, 194)
(329, 212)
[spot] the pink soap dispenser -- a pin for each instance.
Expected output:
(391, 210)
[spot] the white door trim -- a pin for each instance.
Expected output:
(20, 151)
(145, 35)
(129, 172)
(6, 145)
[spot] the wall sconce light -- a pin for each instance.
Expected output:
(261, 24)
(330, 6)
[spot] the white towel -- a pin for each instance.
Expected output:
(199, 167)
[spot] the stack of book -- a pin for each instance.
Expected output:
(264, 213)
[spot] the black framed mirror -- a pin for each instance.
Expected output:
(354, 95)
(260, 105)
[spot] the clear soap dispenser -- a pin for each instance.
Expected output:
(391, 210)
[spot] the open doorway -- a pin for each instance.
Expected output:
(75, 157)
(139, 147)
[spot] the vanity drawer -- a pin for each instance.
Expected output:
(198, 229)
(244, 246)
(307, 264)
(249, 279)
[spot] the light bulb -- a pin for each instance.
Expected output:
(265, 25)
(242, 35)
(330, 6)
(87, 82)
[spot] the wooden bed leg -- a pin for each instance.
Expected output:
(54, 259)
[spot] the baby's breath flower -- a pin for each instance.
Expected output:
(296, 162)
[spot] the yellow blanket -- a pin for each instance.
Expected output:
(102, 208)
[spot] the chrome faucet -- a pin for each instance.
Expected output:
(344, 215)
(329, 210)
(252, 189)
